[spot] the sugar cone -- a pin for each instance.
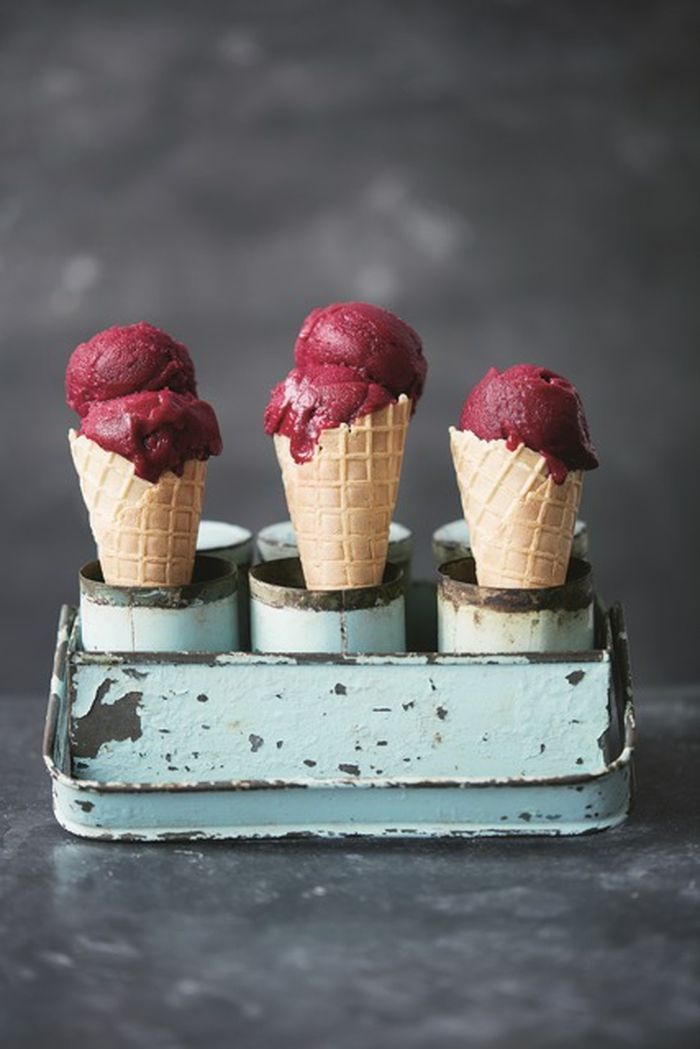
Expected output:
(342, 501)
(521, 523)
(146, 534)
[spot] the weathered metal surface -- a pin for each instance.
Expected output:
(199, 617)
(285, 616)
(473, 618)
(451, 541)
(236, 544)
(222, 539)
(408, 805)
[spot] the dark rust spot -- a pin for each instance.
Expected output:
(407, 706)
(202, 698)
(279, 744)
(441, 713)
(340, 689)
(575, 676)
(107, 723)
(352, 770)
(311, 764)
(525, 816)
(137, 675)
(86, 806)
(103, 689)
(382, 743)
(256, 742)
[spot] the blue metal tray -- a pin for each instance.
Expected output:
(156, 747)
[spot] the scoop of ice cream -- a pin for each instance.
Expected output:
(301, 408)
(536, 407)
(124, 360)
(351, 359)
(157, 430)
(373, 342)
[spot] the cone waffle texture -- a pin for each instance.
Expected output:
(521, 523)
(146, 534)
(342, 501)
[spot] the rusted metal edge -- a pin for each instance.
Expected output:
(66, 623)
(280, 584)
(215, 576)
(622, 675)
(593, 655)
(457, 582)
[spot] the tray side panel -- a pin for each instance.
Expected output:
(185, 722)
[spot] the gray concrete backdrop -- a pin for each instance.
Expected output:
(519, 180)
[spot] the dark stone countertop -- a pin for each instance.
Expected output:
(486, 943)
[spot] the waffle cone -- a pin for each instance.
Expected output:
(342, 501)
(146, 533)
(521, 523)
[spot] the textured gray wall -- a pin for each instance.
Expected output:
(518, 180)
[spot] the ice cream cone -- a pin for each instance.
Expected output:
(145, 533)
(521, 523)
(341, 502)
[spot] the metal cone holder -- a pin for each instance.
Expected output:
(515, 717)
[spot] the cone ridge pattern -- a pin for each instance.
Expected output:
(521, 523)
(341, 502)
(146, 534)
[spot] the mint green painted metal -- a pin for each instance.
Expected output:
(474, 618)
(237, 545)
(201, 616)
(262, 792)
(222, 539)
(286, 617)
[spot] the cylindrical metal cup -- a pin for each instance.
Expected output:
(474, 618)
(278, 540)
(199, 617)
(286, 617)
(451, 541)
(237, 545)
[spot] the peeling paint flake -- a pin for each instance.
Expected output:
(107, 723)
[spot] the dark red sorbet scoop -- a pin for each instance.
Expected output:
(530, 405)
(352, 359)
(127, 359)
